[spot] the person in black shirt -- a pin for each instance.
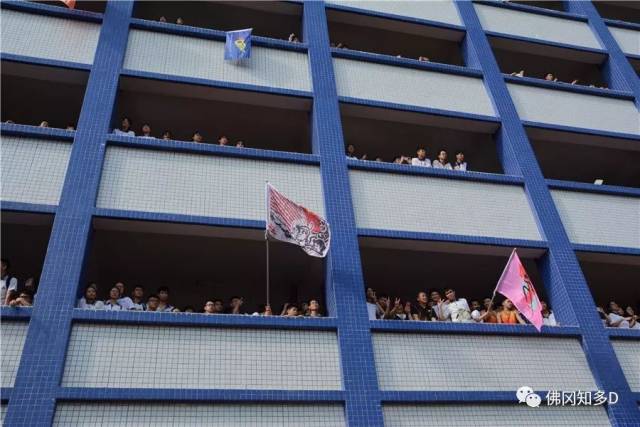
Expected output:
(420, 310)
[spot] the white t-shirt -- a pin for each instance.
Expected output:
(13, 286)
(436, 164)
(147, 136)
(616, 318)
(372, 309)
(549, 321)
(140, 306)
(121, 132)
(97, 305)
(108, 305)
(126, 303)
(424, 163)
(458, 311)
(460, 167)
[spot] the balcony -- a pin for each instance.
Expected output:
(441, 11)
(48, 37)
(575, 110)
(204, 185)
(412, 88)
(33, 170)
(628, 39)
(424, 204)
(268, 19)
(277, 122)
(599, 219)
(585, 158)
(628, 11)
(203, 59)
(373, 34)
(500, 20)
(32, 94)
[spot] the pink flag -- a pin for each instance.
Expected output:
(516, 285)
(293, 223)
(71, 4)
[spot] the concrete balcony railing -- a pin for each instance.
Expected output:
(33, 170)
(48, 37)
(599, 219)
(201, 185)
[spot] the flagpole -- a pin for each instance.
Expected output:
(266, 239)
(502, 275)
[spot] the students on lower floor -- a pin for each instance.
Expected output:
(125, 128)
(153, 302)
(124, 301)
(137, 299)
(420, 310)
(421, 158)
(548, 318)
(24, 299)
(460, 164)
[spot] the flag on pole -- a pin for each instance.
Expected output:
(289, 222)
(515, 284)
(71, 4)
(238, 45)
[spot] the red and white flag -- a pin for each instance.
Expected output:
(290, 222)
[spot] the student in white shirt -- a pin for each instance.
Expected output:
(137, 300)
(421, 160)
(125, 128)
(124, 301)
(8, 284)
(460, 164)
(89, 301)
(456, 309)
(163, 296)
(441, 162)
(372, 304)
(146, 132)
(633, 319)
(112, 303)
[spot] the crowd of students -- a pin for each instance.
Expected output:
(125, 129)
(160, 302)
(431, 307)
(551, 78)
(421, 159)
(426, 307)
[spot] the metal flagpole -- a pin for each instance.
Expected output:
(266, 238)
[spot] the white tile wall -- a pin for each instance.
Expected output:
(33, 170)
(455, 415)
(48, 37)
(628, 353)
(195, 357)
(628, 40)
(204, 185)
(433, 10)
(599, 219)
(195, 415)
(204, 59)
(575, 109)
(387, 83)
(535, 26)
(436, 205)
(13, 335)
(427, 362)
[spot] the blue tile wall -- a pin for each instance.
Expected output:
(32, 399)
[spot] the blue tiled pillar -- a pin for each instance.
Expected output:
(41, 366)
(560, 265)
(345, 285)
(617, 70)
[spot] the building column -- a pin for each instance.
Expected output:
(560, 264)
(344, 281)
(41, 367)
